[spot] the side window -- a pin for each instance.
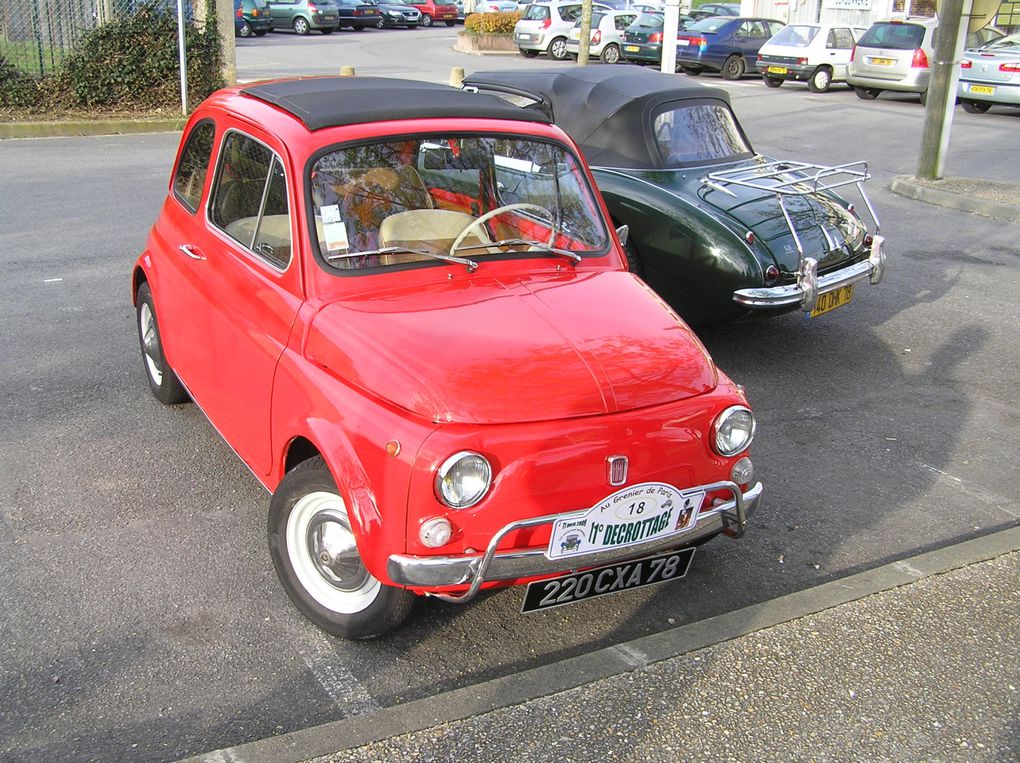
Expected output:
(250, 199)
(194, 165)
(840, 39)
(622, 22)
(774, 27)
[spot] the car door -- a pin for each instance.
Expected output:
(838, 46)
(248, 289)
(282, 13)
(750, 36)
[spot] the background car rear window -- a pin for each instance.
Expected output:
(894, 36)
(795, 36)
(250, 199)
(190, 178)
(694, 133)
(536, 13)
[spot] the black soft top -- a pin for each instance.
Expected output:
(321, 102)
(608, 110)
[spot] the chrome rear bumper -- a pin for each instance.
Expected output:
(440, 571)
(810, 286)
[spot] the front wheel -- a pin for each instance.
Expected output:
(975, 107)
(691, 71)
(426, 20)
(820, 80)
(315, 553)
(558, 49)
(633, 259)
(301, 25)
(610, 54)
(163, 382)
(771, 81)
(733, 68)
(329, 31)
(867, 93)
(245, 30)
(358, 28)
(380, 24)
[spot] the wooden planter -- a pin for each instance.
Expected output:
(485, 44)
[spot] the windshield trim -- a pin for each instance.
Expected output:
(312, 235)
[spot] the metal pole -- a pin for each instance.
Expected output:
(938, 112)
(670, 24)
(182, 56)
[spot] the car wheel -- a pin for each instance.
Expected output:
(163, 382)
(451, 23)
(315, 553)
(558, 49)
(633, 259)
(357, 28)
(975, 107)
(733, 68)
(329, 31)
(426, 20)
(610, 54)
(261, 32)
(771, 81)
(820, 80)
(301, 25)
(245, 30)
(380, 24)
(528, 53)
(867, 93)
(691, 71)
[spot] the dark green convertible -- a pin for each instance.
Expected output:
(720, 232)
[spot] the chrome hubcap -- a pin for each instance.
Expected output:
(150, 343)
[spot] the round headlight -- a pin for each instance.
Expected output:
(463, 479)
(733, 430)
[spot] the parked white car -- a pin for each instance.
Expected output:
(495, 6)
(814, 53)
(545, 27)
(607, 31)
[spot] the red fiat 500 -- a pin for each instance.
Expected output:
(401, 305)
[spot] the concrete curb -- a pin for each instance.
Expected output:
(622, 658)
(912, 188)
(10, 130)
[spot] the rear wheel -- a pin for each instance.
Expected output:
(163, 382)
(328, 31)
(634, 259)
(450, 23)
(528, 53)
(558, 49)
(315, 553)
(867, 93)
(301, 25)
(975, 107)
(380, 24)
(820, 80)
(733, 68)
(610, 54)
(771, 81)
(426, 20)
(245, 30)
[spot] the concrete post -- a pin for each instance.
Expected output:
(225, 26)
(582, 43)
(670, 22)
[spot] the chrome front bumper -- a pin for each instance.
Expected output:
(441, 571)
(810, 285)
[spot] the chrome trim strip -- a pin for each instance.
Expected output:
(439, 571)
(793, 294)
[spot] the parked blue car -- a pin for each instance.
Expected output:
(723, 44)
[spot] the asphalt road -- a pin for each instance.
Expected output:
(141, 616)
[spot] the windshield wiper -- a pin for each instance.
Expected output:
(471, 265)
(573, 256)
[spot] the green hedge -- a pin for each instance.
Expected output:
(17, 89)
(491, 23)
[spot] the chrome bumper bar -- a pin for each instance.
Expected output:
(810, 285)
(440, 571)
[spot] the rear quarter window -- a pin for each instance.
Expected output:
(189, 180)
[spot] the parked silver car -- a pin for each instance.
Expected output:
(893, 55)
(607, 30)
(545, 27)
(990, 75)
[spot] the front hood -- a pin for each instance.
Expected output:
(760, 212)
(489, 351)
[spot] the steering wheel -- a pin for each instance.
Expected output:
(498, 211)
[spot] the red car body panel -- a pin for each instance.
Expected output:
(544, 367)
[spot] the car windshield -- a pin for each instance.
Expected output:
(894, 36)
(795, 36)
(697, 133)
(403, 201)
(708, 25)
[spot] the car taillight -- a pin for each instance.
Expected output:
(239, 14)
(1013, 67)
(801, 62)
(546, 24)
(701, 42)
(312, 8)
(597, 37)
(655, 37)
(853, 52)
(920, 59)
(965, 64)
(759, 56)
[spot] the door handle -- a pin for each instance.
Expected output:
(192, 251)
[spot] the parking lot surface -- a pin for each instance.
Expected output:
(142, 618)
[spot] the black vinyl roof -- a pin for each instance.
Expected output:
(321, 102)
(608, 110)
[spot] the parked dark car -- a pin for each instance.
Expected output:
(642, 42)
(357, 14)
(722, 44)
(719, 231)
(304, 15)
(397, 13)
(708, 10)
(252, 17)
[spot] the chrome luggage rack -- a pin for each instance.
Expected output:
(794, 179)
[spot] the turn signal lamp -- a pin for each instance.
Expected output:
(436, 532)
(742, 472)
(965, 64)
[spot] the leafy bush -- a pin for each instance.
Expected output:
(17, 89)
(491, 23)
(131, 63)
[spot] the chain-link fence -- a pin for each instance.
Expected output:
(36, 35)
